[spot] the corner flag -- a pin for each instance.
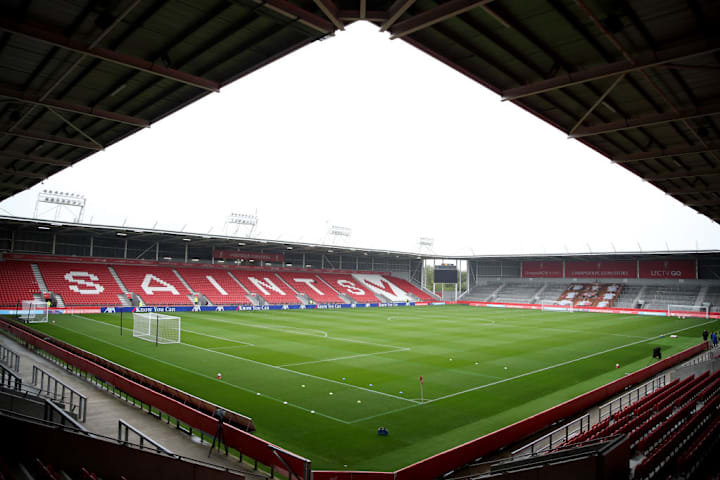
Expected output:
(421, 380)
(422, 397)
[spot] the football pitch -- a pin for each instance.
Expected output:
(320, 382)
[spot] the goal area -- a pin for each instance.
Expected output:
(156, 327)
(34, 311)
(555, 306)
(698, 311)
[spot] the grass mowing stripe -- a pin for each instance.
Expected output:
(351, 340)
(203, 375)
(344, 358)
(561, 364)
(269, 366)
(455, 348)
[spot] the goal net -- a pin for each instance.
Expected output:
(34, 311)
(156, 327)
(699, 311)
(555, 306)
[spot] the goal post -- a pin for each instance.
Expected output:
(34, 311)
(698, 311)
(555, 306)
(156, 327)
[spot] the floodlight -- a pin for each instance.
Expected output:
(339, 231)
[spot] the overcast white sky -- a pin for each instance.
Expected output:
(371, 134)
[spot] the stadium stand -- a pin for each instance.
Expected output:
(348, 285)
(410, 288)
(216, 284)
(590, 295)
(552, 291)
(17, 283)
(659, 297)
(308, 284)
(482, 293)
(628, 296)
(683, 412)
(518, 292)
(382, 287)
(712, 296)
(154, 285)
(81, 283)
(268, 286)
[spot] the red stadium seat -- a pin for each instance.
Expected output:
(216, 284)
(17, 283)
(81, 283)
(155, 285)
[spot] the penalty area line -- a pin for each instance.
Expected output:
(273, 366)
(200, 374)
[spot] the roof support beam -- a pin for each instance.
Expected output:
(14, 94)
(76, 128)
(640, 62)
(668, 152)
(296, 12)
(395, 11)
(600, 99)
(33, 135)
(703, 203)
(434, 15)
(46, 35)
(34, 158)
(355, 15)
(693, 190)
(12, 187)
(698, 172)
(646, 120)
(363, 8)
(20, 173)
(330, 10)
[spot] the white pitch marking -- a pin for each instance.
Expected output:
(344, 358)
(194, 372)
(219, 338)
(269, 366)
(350, 340)
(558, 365)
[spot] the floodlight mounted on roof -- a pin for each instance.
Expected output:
(235, 220)
(59, 201)
(339, 231)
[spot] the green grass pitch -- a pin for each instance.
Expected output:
(320, 382)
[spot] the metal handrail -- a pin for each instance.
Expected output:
(655, 383)
(125, 428)
(568, 430)
(9, 379)
(9, 358)
(57, 390)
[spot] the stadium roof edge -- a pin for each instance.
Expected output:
(259, 243)
(634, 81)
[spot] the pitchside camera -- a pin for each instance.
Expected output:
(219, 414)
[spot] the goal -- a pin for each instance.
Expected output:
(698, 311)
(555, 306)
(34, 311)
(156, 327)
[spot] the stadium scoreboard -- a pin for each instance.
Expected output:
(445, 274)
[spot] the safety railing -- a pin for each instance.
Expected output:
(124, 430)
(56, 390)
(9, 380)
(632, 396)
(558, 436)
(9, 358)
